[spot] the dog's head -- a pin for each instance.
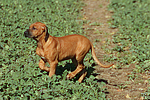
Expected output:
(36, 31)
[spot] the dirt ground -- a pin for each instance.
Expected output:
(119, 86)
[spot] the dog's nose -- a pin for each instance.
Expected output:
(26, 33)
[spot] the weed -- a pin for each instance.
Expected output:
(146, 95)
(132, 19)
(100, 5)
(132, 40)
(20, 77)
(95, 24)
(122, 86)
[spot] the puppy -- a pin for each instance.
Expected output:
(54, 49)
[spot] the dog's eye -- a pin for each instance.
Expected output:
(34, 28)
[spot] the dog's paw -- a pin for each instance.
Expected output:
(70, 76)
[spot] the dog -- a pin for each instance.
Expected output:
(54, 49)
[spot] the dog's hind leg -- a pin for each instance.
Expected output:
(79, 68)
(83, 74)
(42, 66)
(78, 59)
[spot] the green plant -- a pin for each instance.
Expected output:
(132, 40)
(20, 77)
(122, 86)
(146, 95)
(95, 24)
(100, 5)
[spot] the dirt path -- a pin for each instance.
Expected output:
(119, 86)
(97, 27)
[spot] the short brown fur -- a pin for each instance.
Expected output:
(55, 49)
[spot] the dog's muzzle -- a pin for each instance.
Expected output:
(27, 34)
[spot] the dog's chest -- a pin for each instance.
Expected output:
(40, 52)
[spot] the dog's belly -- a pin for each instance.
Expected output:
(65, 57)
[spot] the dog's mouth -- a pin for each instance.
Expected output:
(28, 34)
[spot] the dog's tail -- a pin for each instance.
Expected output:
(95, 58)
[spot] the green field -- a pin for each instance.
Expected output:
(132, 17)
(133, 39)
(20, 77)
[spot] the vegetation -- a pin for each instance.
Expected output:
(133, 38)
(20, 77)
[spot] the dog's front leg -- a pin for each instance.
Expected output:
(53, 66)
(42, 66)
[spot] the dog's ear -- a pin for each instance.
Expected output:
(47, 35)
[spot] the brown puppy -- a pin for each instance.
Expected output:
(55, 49)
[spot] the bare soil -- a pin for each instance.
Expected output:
(118, 84)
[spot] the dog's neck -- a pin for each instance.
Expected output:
(46, 36)
(42, 39)
(42, 42)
